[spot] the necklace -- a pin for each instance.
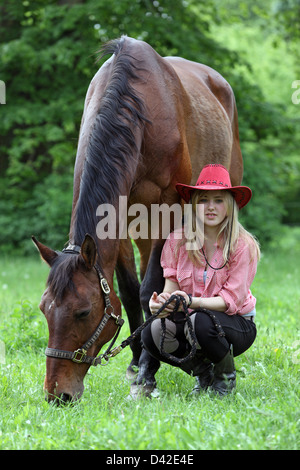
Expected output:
(212, 267)
(228, 252)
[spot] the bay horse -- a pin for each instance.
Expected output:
(148, 123)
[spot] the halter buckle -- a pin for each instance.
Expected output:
(104, 285)
(79, 356)
(118, 319)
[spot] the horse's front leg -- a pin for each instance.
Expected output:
(153, 280)
(129, 288)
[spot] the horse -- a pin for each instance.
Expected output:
(148, 122)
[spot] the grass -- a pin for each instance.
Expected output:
(263, 412)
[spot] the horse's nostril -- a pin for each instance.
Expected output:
(65, 398)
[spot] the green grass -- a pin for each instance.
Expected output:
(263, 412)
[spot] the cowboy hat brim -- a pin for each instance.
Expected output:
(241, 194)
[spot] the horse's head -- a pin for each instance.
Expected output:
(74, 304)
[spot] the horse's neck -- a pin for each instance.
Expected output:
(108, 251)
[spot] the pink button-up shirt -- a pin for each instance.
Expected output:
(232, 283)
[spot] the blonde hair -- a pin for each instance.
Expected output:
(231, 231)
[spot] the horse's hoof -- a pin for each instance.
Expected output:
(142, 391)
(131, 373)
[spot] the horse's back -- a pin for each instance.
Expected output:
(191, 114)
(193, 117)
(205, 78)
(211, 123)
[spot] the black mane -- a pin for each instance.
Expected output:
(111, 148)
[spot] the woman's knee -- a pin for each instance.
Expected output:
(212, 344)
(203, 326)
(147, 340)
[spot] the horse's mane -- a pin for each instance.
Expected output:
(111, 148)
(60, 277)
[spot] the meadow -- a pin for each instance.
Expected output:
(262, 414)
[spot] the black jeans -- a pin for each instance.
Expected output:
(239, 332)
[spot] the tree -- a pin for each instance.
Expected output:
(47, 55)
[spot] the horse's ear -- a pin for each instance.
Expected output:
(46, 253)
(89, 251)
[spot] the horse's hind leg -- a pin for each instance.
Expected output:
(129, 288)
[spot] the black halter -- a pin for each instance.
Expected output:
(80, 355)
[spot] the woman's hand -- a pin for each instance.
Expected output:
(156, 302)
(182, 294)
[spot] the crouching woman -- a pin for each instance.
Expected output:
(214, 277)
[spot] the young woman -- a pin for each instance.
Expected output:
(215, 274)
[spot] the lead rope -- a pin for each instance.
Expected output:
(177, 361)
(178, 299)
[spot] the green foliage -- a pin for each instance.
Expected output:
(47, 56)
(270, 144)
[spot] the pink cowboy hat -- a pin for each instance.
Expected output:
(216, 177)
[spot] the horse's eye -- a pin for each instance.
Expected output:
(83, 314)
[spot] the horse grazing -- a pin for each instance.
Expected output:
(148, 123)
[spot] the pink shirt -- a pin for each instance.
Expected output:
(232, 283)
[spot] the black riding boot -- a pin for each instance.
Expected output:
(201, 368)
(224, 380)
(204, 380)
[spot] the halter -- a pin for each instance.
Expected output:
(80, 355)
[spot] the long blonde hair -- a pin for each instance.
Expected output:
(231, 230)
